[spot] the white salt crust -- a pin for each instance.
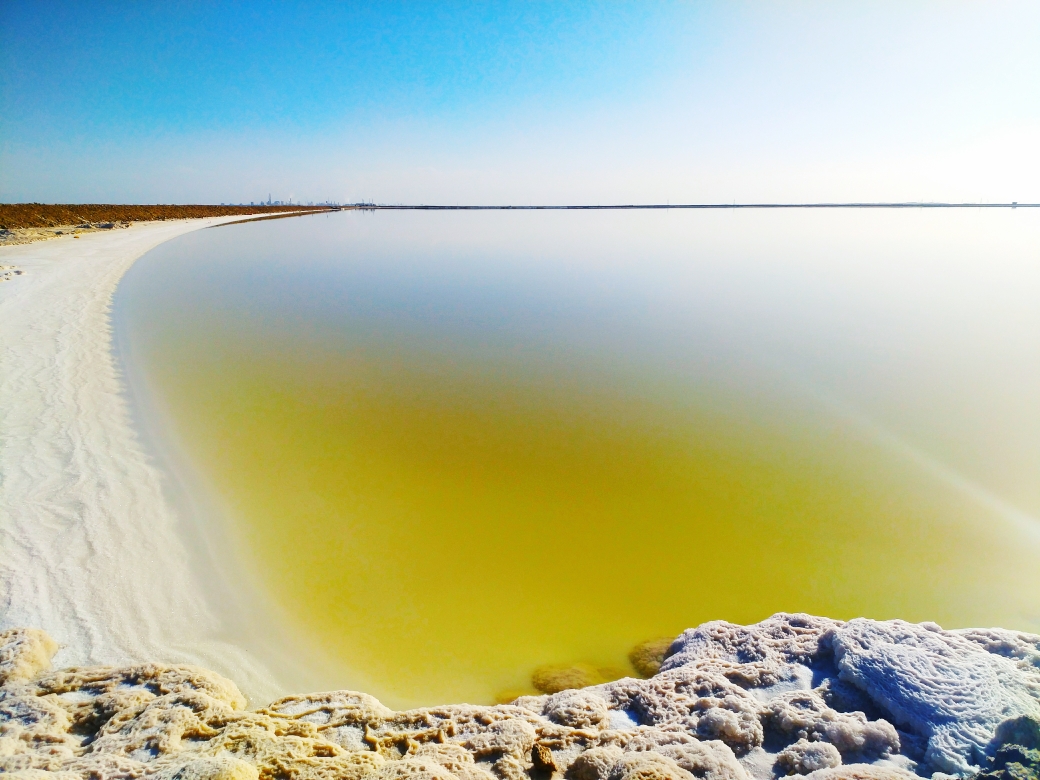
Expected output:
(90, 551)
(794, 694)
(90, 548)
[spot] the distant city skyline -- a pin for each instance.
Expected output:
(520, 103)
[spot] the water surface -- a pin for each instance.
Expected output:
(454, 447)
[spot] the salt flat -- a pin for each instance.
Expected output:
(90, 548)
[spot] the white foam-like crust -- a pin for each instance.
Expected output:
(949, 688)
(89, 546)
(953, 687)
(792, 694)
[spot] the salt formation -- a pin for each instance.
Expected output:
(939, 683)
(792, 695)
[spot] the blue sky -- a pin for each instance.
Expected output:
(519, 102)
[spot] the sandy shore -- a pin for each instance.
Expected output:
(90, 549)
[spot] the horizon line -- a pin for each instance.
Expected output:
(636, 206)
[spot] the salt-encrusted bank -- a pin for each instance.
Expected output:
(793, 695)
(89, 546)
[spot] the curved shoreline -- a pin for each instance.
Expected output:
(92, 551)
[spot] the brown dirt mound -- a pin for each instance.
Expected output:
(42, 215)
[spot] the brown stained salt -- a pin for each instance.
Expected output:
(695, 718)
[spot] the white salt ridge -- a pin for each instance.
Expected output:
(718, 712)
(89, 547)
(951, 689)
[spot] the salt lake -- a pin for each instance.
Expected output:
(449, 448)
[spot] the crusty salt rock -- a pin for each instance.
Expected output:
(595, 763)
(512, 737)
(950, 687)
(154, 678)
(717, 697)
(577, 709)
(455, 758)
(855, 736)
(795, 713)
(281, 748)
(846, 697)
(711, 759)
(1018, 646)
(159, 726)
(413, 769)
(534, 704)
(34, 734)
(730, 721)
(543, 761)
(700, 702)
(209, 768)
(647, 766)
(24, 653)
(766, 648)
(805, 715)
(41, 774)
(512, 768)
(107, 767)
(862, 772)
(804, 757)
(331, 708)
(341, 717)
(487, 731)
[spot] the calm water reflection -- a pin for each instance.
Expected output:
(457, 446)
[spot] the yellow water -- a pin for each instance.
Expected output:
(453, 448)
(444, 520)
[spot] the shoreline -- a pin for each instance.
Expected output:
(792, 695)
(248, 616)
(93, 552)
(25, 223)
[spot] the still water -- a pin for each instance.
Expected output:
(451, 447)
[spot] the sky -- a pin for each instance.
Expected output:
(519, 102)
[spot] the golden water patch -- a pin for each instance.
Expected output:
(447, 523)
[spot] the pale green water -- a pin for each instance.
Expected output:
(456, 447)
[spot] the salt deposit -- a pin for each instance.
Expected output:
(90, 549)
(93, 554)
(881, 700)
(952, 687)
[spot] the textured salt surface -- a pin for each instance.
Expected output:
(89, 547)
(91, 552)
(954, 688)
(794, 694)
